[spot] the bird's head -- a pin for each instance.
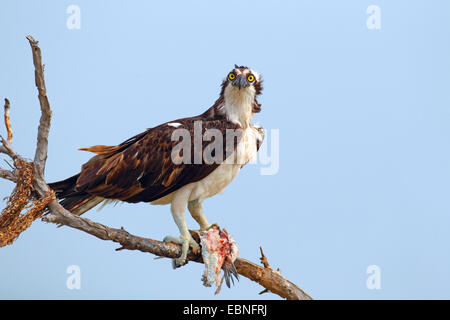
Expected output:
(240, 89)
(244, 80)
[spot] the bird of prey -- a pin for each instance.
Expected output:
(151, 166)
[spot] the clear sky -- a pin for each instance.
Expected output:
(363, 120)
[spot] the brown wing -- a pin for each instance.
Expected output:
(141, 168)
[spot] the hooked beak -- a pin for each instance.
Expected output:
(240, 82)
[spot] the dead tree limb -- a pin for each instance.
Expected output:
(270, 279)
(7, 120)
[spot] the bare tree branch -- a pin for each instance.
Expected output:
(8, 175)
(7, 149)
(264, 275)
(7, 120)
(264, 260)
(271, 280)
(40, 156)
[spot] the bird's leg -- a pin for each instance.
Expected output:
(185, 239)
(196, 210)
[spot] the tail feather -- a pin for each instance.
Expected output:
(81, 203)
(65, 187)
(77, 202)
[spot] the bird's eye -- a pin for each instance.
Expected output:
(250, 78)
(231, 76)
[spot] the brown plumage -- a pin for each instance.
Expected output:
(141, 169)
(144, 168)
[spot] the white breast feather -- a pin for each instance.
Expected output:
(239, 105)
(217, 181)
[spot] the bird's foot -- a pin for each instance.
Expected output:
(205, 228)
(185, 243)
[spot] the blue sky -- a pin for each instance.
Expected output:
(362, 116)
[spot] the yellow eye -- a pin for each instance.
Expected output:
(251, 78)
(231, 76)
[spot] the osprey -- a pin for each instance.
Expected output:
(152, 167)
